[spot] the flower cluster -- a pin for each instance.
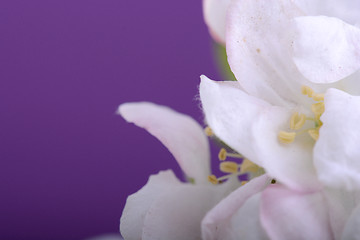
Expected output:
(292, 115)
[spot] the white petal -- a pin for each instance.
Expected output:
(215, 17)
(258, 41)
(326, 49)
(177, 214)
(337, 152)
(217, 223)
(250, 126)
(286, 214)
(346, 10)
(352, 230)
(139, 203)
(341, 204)
(246, 222)
(182, 135)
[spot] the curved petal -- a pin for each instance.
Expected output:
(218, 224)
(258, 42)
(286, 214)
(352, 230)
(215, 17)
(246, 222)
(341, 204)
(346, 10)
(250, 126)
(177, 214)
(182, 135)
(337, 152)
(139, 203)
(326, 49)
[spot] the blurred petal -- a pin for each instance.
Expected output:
(182, 135)
(341, 204)
(337, 152)
(139, 203)
(347, 10)
(352, 230)
(246, 224)
(218, 224)
(250, 126)
(258, 42)
(215, 17)
(286, 214)
(326, 49)
(177, 214)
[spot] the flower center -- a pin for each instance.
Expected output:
(297, 120)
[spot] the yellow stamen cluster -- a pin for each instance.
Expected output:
(286, 137)
(223, 154)
(248, 166)
(232, 168)
(213, 179)
(229, 167)
(297, 120)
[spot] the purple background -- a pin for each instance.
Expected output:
(67, 162)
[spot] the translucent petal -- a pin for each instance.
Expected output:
(182, 135)
(337, 152)
(326, 49)
(259, 47)
(177, 214)
(286, 214)
(218, 223)
(138, 204)
(215, 17)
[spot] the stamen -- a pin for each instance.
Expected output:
(229, 167)
(243, 183)
(286, 137)
(248, 166)
(306, 90)
(318, 108)
(223, 154)
(213, 179)
(297, 121)
(314, 133)
(318, 97)
(208, 131)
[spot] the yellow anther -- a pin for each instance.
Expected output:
(222, 154)
(208, 132)
(229, 167)
(318, 97)
(306, 90)
(314, 133)
(248, 166)
(286, 137)
(318, 108)
(243, 183)
(297, 121)
(213, 179)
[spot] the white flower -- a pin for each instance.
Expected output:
(166, 208)
(261, 211)
(268, 45)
